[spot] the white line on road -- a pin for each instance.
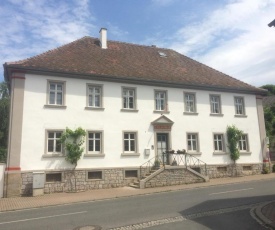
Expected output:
(42, 217)
(239, 190)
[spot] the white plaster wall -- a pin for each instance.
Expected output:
(37, 119)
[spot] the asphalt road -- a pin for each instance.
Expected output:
(216, 207)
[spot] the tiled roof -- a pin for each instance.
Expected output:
(130, 61)
(269, 101)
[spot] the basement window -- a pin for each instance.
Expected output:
(95, 175)
(131, 173)
(247, 168)
(53, 177)
(222, 169)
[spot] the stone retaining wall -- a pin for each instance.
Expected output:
(170, 177)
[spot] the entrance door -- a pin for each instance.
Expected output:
(162, 145)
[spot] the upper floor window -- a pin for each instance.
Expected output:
(53, 142)
(239, 106)
(190, 102)
(94, 142)
(160, 100)
(192, 142)
(129, 142)
(94, 96)
(243, 143)
(56, 93)
(215, 103)
(129, 98)
(219, 143)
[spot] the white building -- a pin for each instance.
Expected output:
(135, 102)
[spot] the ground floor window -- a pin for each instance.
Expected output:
(219, 143)
(192, 142)
(94, 142)
(53, 142)
(129, 142)
(243, 143)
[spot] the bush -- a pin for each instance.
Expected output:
(266, 170)
(273, 168)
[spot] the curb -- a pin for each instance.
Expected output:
(259, 215)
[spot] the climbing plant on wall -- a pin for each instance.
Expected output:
(233, 138)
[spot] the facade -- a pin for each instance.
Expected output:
(134, 103)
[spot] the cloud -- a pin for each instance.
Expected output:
(32, 27)
(234, 39)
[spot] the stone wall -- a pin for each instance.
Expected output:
(220, 171)
(111, 178)
(170, 177)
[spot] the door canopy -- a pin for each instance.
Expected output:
(162, 124)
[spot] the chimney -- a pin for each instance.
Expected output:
(103, 38)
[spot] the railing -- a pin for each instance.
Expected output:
(179, 158)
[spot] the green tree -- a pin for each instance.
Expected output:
(73, 141)
(270, 88)
(4, 120)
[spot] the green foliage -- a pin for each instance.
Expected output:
(273, 168)
(269, 115)
(73, 140)
(233, 137)
(266, 170)
(270, 88)
(4, 120)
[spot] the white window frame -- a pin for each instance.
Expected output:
(129, 139)
(56, 92)
(126, 98)
(244, 143)
(161, 102)
(55, 140)
(218, 140)
(190, 102)
(193, 138)
(239, 105)
(215, 104)
(94, 139)
(94, 95)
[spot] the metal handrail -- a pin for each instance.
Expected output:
(179, 158)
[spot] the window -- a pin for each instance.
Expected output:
(215, 103)
(129, 101)
(192, 142)
(95, 175)
(94, 142)
(239, 106)
(190, 102)
(243, 143)
(131, 173)
(219, 143)
(56, 93)
(53, 142)
(160, 101)
(94, 96)
(54, 177)
(129, 142)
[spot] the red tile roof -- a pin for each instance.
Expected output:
(126, 61)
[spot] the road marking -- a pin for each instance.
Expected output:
(239, 190)
(42, 217)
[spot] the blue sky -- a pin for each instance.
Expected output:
(231, 36)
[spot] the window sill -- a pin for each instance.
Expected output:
(190, 113)
(48, 155)
(129, 110)
(219, 153)
(161, 111)
(94, 155)
(241, 116)
(245, 153)
(194, 153)
(130, 154)
(94, 108)
(216, 114)
(56, 106)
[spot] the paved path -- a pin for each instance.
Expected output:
(265, 212)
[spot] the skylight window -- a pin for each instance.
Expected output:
(162, 54)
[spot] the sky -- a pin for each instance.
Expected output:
(230, 36)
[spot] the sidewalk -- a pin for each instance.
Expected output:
(265, 212)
